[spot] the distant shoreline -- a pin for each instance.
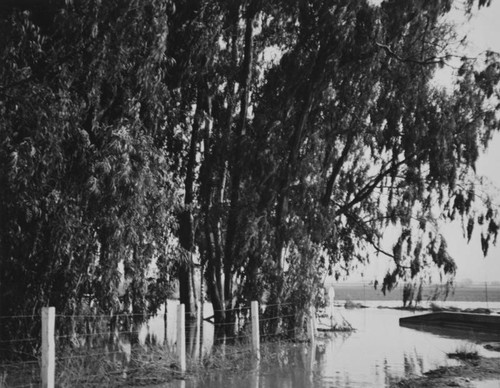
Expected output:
(366, 292)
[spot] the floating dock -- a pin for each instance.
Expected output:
(455, 320)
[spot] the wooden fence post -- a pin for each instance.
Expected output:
(48, 347)
(255, 329)
(181, 337)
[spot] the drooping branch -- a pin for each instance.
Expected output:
(426, 61)
(336, 169)
(368, 235)
(367, 190)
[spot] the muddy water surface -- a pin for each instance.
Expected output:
(378, 353)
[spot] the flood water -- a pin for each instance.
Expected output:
(378, 353)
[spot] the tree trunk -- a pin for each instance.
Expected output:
(186, 232)
(230, 254)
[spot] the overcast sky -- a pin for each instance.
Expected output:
(483, 33)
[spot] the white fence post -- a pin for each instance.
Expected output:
(255, 328)
(312, 324)
(331, 299)
(48, 347)
(181, 337)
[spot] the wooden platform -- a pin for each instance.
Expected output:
(455, 320)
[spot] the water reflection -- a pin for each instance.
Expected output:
(378, 353)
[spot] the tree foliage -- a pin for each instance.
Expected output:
(84, 186)
(347, 135)
(297, 132)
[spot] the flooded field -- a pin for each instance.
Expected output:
(378, 353)
(477, 293)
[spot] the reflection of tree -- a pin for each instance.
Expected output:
(192, 338)
(408, 365)
(413, 363)
(391, 379)
(343, 335)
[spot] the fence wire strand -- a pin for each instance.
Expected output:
(89, 356)
(20, 316)
(13, 364)
(265, 306)
(98, 334)
(18, 340)
(275, 318)
(245, 308)
(107, 316)
(231, 346)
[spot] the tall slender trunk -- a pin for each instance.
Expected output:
(210, 246)
(230, 254)
(291, 165)
(186, 232)
(312, 88)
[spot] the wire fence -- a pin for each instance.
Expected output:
(19, 351)
(114, 349)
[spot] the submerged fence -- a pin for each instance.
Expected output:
(74, 359)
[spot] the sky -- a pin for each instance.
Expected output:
(483, 32)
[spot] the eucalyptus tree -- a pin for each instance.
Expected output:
(283, 137)
(357, 137)
(211, 44)
(85, 183)
(195, 76)
(309, 157)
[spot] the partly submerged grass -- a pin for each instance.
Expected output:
(153, 365)
(454, 376)
(235, 358)
(466, 352)
(97, 368)
(13, 374)
(239, 360)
